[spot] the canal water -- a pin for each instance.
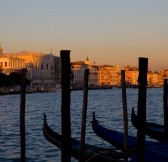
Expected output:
(107, 104)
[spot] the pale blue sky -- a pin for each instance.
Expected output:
(108, 31)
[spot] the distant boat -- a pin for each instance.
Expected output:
(92, 153)
(58, 88)
(155, 131)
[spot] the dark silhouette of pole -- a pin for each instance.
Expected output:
(165, 106)
(65, 106)
(125, 113)
(22, 114)
(142, 80)
(84, 114)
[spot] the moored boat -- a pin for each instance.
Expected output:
(111, 136)
(155, 131)
(92, 153)
(154, 151)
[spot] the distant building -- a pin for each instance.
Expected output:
(42, 69)
(77, 69)
(99, 75)
(164, 73)
(131, 75)
(109, 75)
(152, 78)
(10, 64)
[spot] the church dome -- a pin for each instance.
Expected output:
(87, 61)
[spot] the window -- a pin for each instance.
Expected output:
(42, 66)
(5, 64)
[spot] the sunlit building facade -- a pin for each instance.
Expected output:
(152, 79)
(78, 69)
(131, 75)
(99, 75)
(109, 75)
(42, 69)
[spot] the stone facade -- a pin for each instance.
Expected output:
(42, 69)
(99, 75)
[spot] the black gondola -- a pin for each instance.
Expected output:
(154, 151)
(91, 154)
(155, 131)
(111, 136)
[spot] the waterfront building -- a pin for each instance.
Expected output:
(93, 74)
(42, 69)
(152, 78)
(99, 75)
(131, 75)
(10, 64)
(164, 73)
(78, 68)
(109, 75)
(160, 80)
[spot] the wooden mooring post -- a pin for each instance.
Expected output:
(84, 114)
(22, 114)
(125, 113)
(65, 106)
(142, 80)
(165, 105)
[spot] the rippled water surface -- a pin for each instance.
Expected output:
(107, 105)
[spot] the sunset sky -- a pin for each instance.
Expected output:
(107, 31)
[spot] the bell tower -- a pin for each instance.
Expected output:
(87, 61)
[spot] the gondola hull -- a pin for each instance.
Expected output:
(92, 153)
(154, 151)
(111, 136)
(155, 131)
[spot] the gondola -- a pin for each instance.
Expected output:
(111, 136)
(155, 131)
(154, 151)
(92, 153)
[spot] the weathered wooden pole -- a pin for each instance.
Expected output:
(165, 105)
(84, 114)
(125, 113)
(22, 114)
(142, 80)
(65, 106)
